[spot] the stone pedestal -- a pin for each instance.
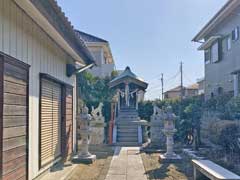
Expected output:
(169, 156)
(98, 133)
(84, 156)
(157, 136)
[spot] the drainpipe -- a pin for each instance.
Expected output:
(77, 71)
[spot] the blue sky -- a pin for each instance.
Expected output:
(150, 36)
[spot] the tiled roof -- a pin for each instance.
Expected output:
(193, 86)
(88, 37)
(56, 17)
(178, 88)
(127, 73)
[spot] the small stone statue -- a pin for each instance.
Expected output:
(97, 113)
(84, 156)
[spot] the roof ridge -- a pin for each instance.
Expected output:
(90, 35)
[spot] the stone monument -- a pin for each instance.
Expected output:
(84, 129)
(97, 126)
(169, 130)
(157, 136)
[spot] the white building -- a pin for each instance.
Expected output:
(37, 97)
(101, 51)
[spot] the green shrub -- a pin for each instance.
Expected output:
(229, 138)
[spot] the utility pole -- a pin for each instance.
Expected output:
(181, 93)
(181, 71)
(162, 86)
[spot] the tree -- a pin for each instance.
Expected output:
(93, 90)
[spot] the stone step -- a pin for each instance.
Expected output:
(127, 139)
(127, 120)
(128, 130)
(126, 112)
(127, 126)
(125, 117)
(131, 112)
(128, 135)
(127, 123)
(127, 144)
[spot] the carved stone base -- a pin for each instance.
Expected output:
(84, 159)
(165, 158)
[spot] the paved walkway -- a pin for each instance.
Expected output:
(126, 165)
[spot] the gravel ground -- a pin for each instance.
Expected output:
(167, 171)
(96, 171)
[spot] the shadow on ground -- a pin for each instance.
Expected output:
(99, 169)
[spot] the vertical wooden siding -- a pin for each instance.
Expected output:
(67, 128)
(14, 120)
(22, 38)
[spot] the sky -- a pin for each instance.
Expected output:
(150, 36)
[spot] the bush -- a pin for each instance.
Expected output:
(233, 108)
(229, 138)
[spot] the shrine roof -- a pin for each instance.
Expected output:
(127, 74)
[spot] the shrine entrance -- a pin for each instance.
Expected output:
(130, 91)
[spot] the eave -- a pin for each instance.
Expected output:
(141, 84)
(224, 12)
(73, 48)
(208, 43)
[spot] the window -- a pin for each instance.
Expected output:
(220, 90)
(215, 52)
(229, 43)
(207, 56)
(238, 79)
(235, 34)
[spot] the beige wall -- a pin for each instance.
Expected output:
(21, 38)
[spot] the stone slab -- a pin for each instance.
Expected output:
(85, 160)
(172, 159)
(126, 165)
(208, 167)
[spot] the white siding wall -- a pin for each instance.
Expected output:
(21, 38)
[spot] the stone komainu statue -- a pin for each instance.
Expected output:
(156, 128)
(97, 113)
(97, 125)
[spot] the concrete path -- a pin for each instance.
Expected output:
(126, 165)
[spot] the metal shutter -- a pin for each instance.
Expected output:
(50, 121)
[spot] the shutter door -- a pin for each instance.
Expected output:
(50, 121)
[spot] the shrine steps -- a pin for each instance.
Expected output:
(127, 144)
(127, 127)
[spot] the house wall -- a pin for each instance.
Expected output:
(219, 74)
(23, 39)
(101, 70)
(172, 95)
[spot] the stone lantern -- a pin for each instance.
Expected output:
(84, 122)
(169, 131)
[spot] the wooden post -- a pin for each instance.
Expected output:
(111, 123)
